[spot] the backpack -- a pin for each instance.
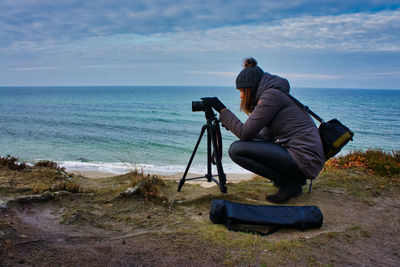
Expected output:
(334, 136)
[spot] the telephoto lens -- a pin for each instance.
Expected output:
(198, 106)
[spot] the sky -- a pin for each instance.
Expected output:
(326, 43)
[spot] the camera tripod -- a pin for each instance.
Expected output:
(214, 140)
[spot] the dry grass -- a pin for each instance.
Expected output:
(11, 163)
(150, 188)
(49, 164)
(40, 179)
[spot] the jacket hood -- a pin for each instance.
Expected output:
(269, 81)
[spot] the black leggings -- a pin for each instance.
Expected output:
(269, 160)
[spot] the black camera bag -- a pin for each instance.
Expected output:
(334, 136)
(249, 218)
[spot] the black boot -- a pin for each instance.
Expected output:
(285, 193)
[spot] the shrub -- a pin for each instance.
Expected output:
(150, 187)
(11, 163)
(49, 164)
(376, 161)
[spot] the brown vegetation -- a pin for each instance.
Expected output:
(49, 164)
(375, 161)
(11, 163)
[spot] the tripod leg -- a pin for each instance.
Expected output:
(209, 156)
(220, 170)
(182, 181)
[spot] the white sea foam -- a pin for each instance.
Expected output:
(122, 168)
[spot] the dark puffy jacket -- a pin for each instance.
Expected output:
(278, 119)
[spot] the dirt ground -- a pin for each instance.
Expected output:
(87, 222)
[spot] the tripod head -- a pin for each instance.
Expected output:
(210, 115)
(213, 124)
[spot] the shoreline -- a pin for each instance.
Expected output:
(230, 177)
(233, 172)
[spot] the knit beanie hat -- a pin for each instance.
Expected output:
(249, 77)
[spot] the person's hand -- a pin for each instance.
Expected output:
(214, 102)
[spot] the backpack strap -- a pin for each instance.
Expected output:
(306, 108)
(236, 228)
(310, 187)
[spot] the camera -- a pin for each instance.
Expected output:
(198, 106)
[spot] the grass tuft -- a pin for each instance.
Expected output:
(150, 188)
(11, 163)
(49, 164)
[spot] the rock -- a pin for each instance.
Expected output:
(46, 196)
(336, 191)
(3, 205)
(130, 191)
(34, 198)
(62, 193)
(2, 233)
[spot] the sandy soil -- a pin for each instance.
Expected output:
(231, 177)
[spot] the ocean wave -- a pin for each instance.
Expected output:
(118, 168)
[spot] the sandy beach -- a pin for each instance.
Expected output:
(230, 177)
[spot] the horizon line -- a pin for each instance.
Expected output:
(309, 87)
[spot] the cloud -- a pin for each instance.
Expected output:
(298, 76)
(329, 77)
(308, 76)
(217, 73)
(395, 73)
(94, 37)
(355, 32)
(363, 32)
(33, 68)
(359, 32)
(38, 20)
(346, 33)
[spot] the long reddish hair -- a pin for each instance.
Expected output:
(248, 100)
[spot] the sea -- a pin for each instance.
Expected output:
(117, 129)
